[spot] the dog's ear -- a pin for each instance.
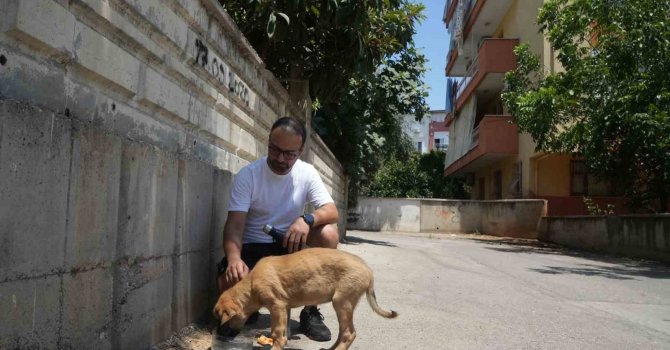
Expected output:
(226, 315)
(227, 310)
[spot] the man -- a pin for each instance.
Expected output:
(274, 190)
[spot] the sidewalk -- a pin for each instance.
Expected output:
(199, 338)
(482, 292)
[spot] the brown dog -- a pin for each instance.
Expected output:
(309, 277)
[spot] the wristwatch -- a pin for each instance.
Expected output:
(309, 219)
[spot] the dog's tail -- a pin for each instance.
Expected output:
(372, 300)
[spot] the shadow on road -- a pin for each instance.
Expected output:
(621, 268)
(349, 239)
(626, 270)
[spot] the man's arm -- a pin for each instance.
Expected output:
(326, 214)
(233, 232)
(296, 238)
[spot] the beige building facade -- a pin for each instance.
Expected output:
(486, 148)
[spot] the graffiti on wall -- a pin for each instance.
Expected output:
(216, 67)
(451, 213)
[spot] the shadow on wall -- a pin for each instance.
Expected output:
(385, 214)
(640, 236)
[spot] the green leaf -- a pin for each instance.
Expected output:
(272, 25)
(285, 17)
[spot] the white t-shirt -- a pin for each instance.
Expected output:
(273, 199)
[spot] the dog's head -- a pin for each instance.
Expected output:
(226, 308)
(230, 310)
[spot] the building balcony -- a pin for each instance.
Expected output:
(493, 139)
(481, 19)
(486, 73)
(449, 8)
(441, 147)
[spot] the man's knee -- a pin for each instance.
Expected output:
(327, 236)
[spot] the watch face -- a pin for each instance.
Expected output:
(309, 219)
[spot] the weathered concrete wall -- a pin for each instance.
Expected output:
(586, 232)
(642, 236)
(511, 218)
(122, 123)
(451, 216)
(386, 214)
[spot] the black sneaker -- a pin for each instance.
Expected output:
(312, 326)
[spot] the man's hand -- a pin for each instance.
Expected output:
(296, 236)
(236, 270)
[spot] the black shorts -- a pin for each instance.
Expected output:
(252, 253)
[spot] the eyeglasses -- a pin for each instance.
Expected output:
(276, 151)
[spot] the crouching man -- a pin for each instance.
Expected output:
(274, 190)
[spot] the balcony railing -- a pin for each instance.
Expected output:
(472, 70)
(442, 147)
(449, 8)
(492, 140)
(475, 137)
(494, 56)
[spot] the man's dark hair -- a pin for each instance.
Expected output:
(291, 125)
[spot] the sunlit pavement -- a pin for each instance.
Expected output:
(477, 292)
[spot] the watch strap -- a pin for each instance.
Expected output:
(309, 219)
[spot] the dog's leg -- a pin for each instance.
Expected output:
(279, 323)
(344, 308)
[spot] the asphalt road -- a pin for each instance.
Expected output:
(476, 292)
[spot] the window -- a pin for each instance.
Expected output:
(578, 178)
(482, 189)
(419, 146)
(439, 145)
(584, 184)
(515, 186)
(497, 185)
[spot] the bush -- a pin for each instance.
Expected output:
(420, 176)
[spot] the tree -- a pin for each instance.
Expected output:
(362, 68)
(417, 176)
(365, 128)
(432, 164)
(400, 179)
(325, 41)
(612, 102)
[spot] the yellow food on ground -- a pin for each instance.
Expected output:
(263, 340)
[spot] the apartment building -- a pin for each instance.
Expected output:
(428, 134)
(486, 148)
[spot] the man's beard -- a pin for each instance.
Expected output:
(279, 167)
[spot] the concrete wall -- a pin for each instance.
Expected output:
(122, 123)
(511, 218)
(642, 236)
(386, 214)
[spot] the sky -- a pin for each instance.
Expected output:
(432, 39)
